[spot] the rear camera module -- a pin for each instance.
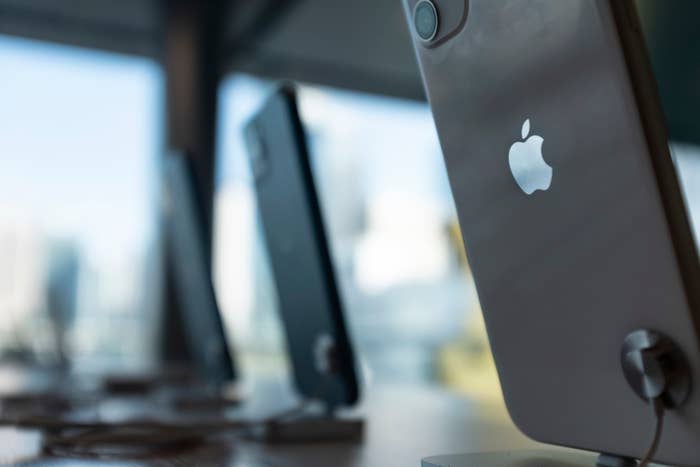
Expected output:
(425, 20)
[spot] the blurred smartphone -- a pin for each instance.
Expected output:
(201, 317)
(320, 352)
(572, 217)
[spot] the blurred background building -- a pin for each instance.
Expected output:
(81, 138)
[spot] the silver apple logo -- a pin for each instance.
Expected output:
(527, 165)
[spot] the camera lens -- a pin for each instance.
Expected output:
(425, 20)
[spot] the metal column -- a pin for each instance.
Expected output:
(192, 33)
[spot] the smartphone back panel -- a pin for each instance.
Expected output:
(309, 300)
(565, 193)
(203, 324)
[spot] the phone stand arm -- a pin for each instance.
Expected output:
(304, 424)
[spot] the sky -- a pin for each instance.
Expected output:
(80, 143)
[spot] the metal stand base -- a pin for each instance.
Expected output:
(522, 459)
(310, 430)
(608, 460)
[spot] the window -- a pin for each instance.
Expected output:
(79, 144)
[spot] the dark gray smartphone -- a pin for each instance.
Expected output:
(320, 351)
(203, 325)
(572, 216)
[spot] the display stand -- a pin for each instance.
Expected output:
(310, 422)
(607, 460)
(307, 429)
(529, 459)
(656, 370)
(314, 420)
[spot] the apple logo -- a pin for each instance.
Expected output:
(527, 165)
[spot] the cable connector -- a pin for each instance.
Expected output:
(656, 368)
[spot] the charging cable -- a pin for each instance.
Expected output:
(659, 412)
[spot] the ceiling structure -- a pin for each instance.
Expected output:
(360, 44)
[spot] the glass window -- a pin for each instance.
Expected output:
(687, 159)
(79, 141)
(396, 245)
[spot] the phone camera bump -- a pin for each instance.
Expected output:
(425, 20)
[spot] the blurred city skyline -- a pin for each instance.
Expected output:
(80, 137)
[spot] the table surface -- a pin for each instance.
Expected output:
(404, 424)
